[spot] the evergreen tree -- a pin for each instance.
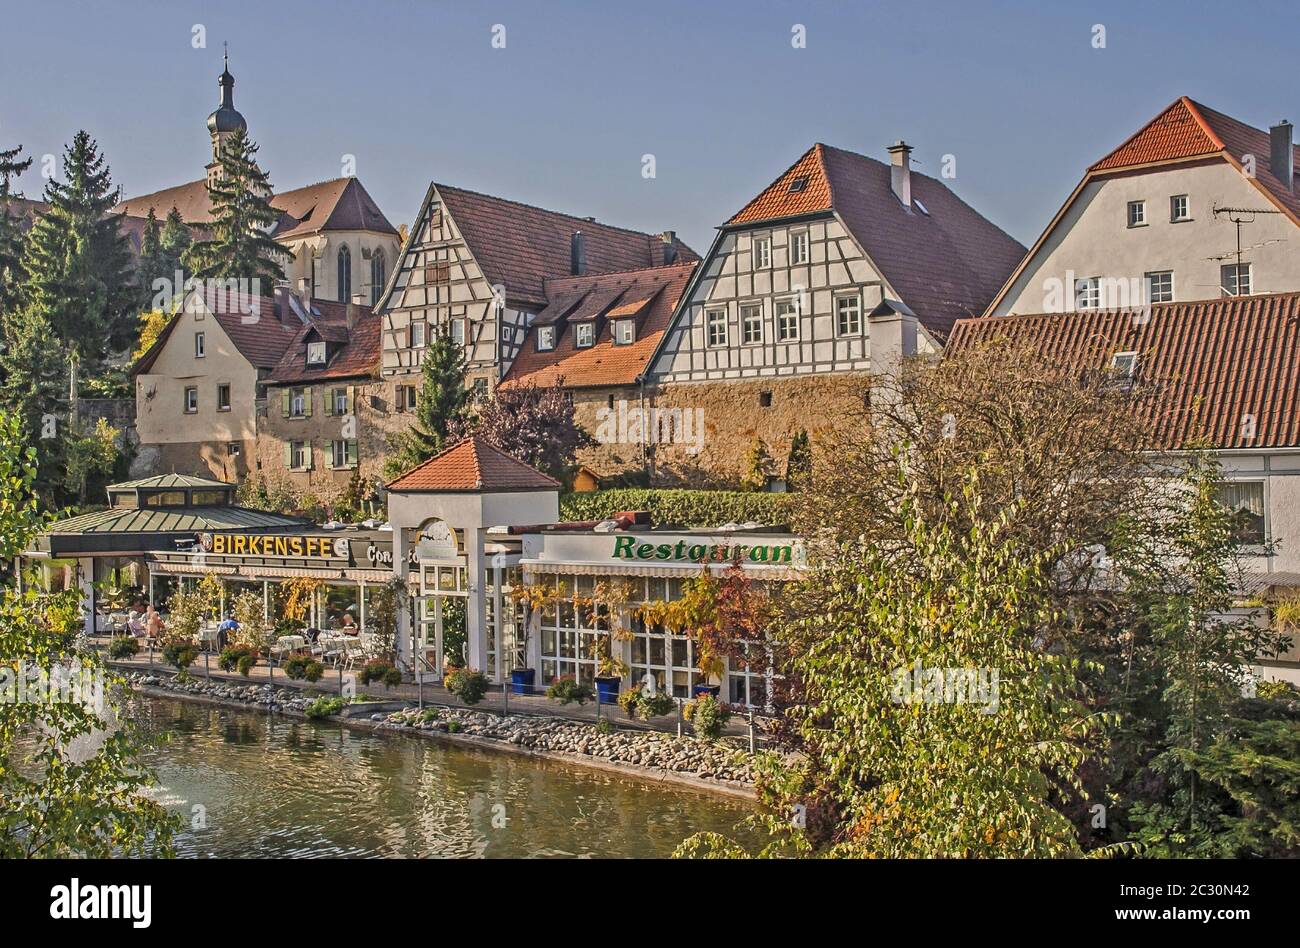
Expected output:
(77, 262)
(34, 390)
(798, 464)
(758, 466)
(241, 216)
(162, 252)
(439, 407)
(11, 166)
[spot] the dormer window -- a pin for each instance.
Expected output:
(545, 338)
(584, 335)
(799, 184)
(624, 332)
(316, 353)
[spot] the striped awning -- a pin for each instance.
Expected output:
(187, 569)
(667, 570)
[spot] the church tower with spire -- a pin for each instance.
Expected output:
(225, 121)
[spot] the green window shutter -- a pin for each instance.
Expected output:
(329, 401)
(352, 399)
(307, 454)
(284, 401)
(351, 449)
(288, 455)
(306, 402)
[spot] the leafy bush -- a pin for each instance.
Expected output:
(299, 667)
(324, 708)
(567, 690)
(660, 703)
(373, 671)
(628, 701)
(466, 684)
(123, 646)
(231, 657)
(687, 508)
(246, 663)
(707, 716)
(180, 655)
(604, 727)
(453, 727)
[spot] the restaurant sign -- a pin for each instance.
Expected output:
(278, 545)
(693, 551)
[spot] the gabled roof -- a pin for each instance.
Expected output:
(1186, 132)
(944, 264)
(474, 465)
(357, 357)
(252, 325)
(520, 246)
(649, 296)
(1225, 372)
(339, 204)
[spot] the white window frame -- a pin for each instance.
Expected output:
(1124, 365)
(191, 401)
(1091, 298)
(856, 300)
(316, 353)
(762, 260)
(1138, 219)
(229, 396)
(715, 319)
(584, 335)
(751, 316)
(1264, 500)
(200, 345)
(624, 332)
(1237, 269)
(298, 455)
(545, 338)
(298, 403)
(1174, 216)
(457, 331)
(1151, 296)
(792, 314)
(802, 240)
(339, 399)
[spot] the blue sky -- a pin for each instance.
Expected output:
(562, 115)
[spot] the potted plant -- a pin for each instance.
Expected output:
(610, 670)
(123, 646)
(537, 599)
(467, 684)
(566, 690)
(708, 717)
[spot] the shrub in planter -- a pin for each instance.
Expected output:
(567, 690)
(299, 667)
(246, 663)
(660, 703)
(180, 655)
(123, 646)
(324, 708)
(232, 655)
(392, 677)
(466, 684)
(707, 716)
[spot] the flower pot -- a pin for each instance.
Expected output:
(607, 689)
(521, 680)
(699, 690)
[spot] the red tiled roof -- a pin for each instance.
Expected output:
(1188, 130)
(252, 324)
(650, 296)
(520, 246)
(472, 465)
(944, 265)
(1225, 372)
(340, 204)
(358, 357)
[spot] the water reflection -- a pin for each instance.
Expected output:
(256, 785)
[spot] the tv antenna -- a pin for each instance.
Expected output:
(1239, 216)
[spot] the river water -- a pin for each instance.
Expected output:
(251, 784)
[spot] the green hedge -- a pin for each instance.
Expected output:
(686, 508)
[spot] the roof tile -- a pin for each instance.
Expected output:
(473, 464)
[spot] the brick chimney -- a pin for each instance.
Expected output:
(356, 306)
(900, 171)
(1281, 159)
(577, 253)
(669, 238)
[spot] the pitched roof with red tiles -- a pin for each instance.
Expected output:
(1187, 131)
(944, 264)
(648, 296)
(1184, 133)
(473, 464)
(1222, 372)
(252, 323)
(520, 246)
(355, 355)
(339, 204)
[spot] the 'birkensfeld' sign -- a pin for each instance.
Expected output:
(278, 545)
(688, 551)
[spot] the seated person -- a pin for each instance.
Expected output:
(153, 624)
(349, 624)
(135, 623)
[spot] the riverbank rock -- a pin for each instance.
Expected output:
(722, 761)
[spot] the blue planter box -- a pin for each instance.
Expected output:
(607, 690)
(714, 690)
(521, 680)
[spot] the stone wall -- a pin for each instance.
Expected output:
(733, 414)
